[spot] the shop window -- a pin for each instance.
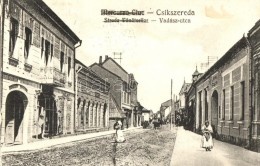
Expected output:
(61, 61)
(27, 42)
(14, 29)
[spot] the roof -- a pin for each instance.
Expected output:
(132, 78)
(145, 110)
(108, 58)
(255, 27)
(185, 87)
(243, 42)
(166, 103)
(56, 20)
(92, 72)
(196, 73)
(118, 113)
(96, 64)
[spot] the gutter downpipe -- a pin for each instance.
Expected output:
(75, 85)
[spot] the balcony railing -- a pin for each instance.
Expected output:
(52, 75)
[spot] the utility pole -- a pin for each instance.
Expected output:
(171, 106)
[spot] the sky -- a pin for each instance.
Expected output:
(158, 52)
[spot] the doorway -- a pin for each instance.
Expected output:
(16, 104)
(214, 110)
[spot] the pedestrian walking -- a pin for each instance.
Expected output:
(119, 133)
(207, 141)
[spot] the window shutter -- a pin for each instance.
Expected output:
(57, 48)
(47, 35)
(62, 47)
(21, 25)
(66, 55)
(43, 32)
(36, 34)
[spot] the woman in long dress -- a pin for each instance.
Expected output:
(207, 142)
(119, 133)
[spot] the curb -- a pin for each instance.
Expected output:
(28, 147)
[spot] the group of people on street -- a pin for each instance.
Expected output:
(206, 141)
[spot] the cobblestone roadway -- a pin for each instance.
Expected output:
(149, 147)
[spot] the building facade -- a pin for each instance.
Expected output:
(38, 73)
(123, 90)
(92, 102)
(223, 95)
(146, 115)
(115, 110)
(2, 7)
(190, 106)
(182, 95)
(137, 113)
(254, 38)
(165, 109)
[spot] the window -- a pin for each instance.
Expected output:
(47, 51)
(200, 108)
(206, 105)
(242, 98)
(224, 105)
(129, 98)
(27, 42)
(14, 29)
(42, 45)
(61, 60)
(124, 86)
(232, 103)
(69, 65)
(51, 51)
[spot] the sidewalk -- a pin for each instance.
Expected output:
(46, 143)
(187, 151)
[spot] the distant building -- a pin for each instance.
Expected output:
(123, 90)
(92, 100)
(182, 95)
(165, 109)
(115, 109)
(190, 106)
(146, 114)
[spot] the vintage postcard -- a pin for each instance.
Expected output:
(110, 82)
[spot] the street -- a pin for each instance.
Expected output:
(145, 147)
(187, 151)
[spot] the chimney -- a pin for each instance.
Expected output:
(106, 57)
(100, 59)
